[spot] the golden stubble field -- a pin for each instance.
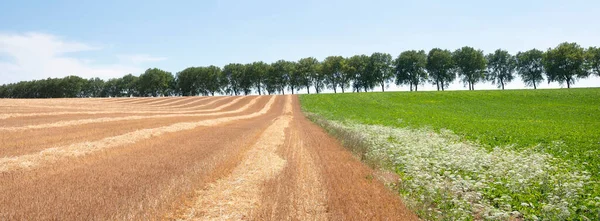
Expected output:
(185, 158)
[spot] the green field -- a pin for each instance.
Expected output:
(562, 123)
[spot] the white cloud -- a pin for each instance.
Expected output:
(31, 56)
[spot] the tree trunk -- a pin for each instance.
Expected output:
(411, 88)
(502, 83)
(342, 89)
(212, 93)
(416, 87)
(473, 86)
(568, 82)
(334, 90)
(534, 87)
(292, 89)
(382, 87)
(437, 83)
(307, 89)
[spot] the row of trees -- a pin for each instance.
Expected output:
(563, 64)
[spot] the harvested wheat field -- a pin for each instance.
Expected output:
(185, 158)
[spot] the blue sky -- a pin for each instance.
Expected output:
(40, 39)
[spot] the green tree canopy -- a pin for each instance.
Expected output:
(410, 68)
(295, 82)
(565, 63)
(93, 87)
(530, 67)
(470, 64)
(307, 69)
(333, 72)
(188, 81)
(501, 67)
(380, 70)
(593, 60)
(356, 68)
(155, 82)
(278, 77)
(440, 67)
(210, 79)
(258, 72)
(232, 78)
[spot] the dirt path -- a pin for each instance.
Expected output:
(252, 159)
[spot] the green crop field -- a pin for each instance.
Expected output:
(561, 123)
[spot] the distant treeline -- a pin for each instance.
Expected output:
(563, 64)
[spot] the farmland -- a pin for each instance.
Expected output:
(188, 158)
(476, 154)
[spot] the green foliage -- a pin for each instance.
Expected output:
(470, 64)
(501, 67)
(332, 69)
(308, 71)
(231, 78)
(521, 118)
(155, 82)
(379, 72)
(440, 67)
(592, 57)
(356, 69)
(278, 76)
(188, 81)
(530, 67)
(258, 72)
(410, 68)
(210, 79)
(562, 123)
(295, 78)
(128, 85)
(245, 79)
(565, 63)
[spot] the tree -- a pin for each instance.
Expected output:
(271, 80)
(530, 67)
(231, 78)
(210, 80)
(188, 81)
(245, 79)
(565, 63)
(155, 82)
(356, 68)
(410, 68)
(129, 85)
(440, 67)
(295, 81)
(111, 88)
(258, 71)
(380, 70)
(71, 86)
(333, 72)
(307, 71)
(93, 87)
(501, 67)
(279, 76)
(593, 60)
(318, 78)
(470, 64)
